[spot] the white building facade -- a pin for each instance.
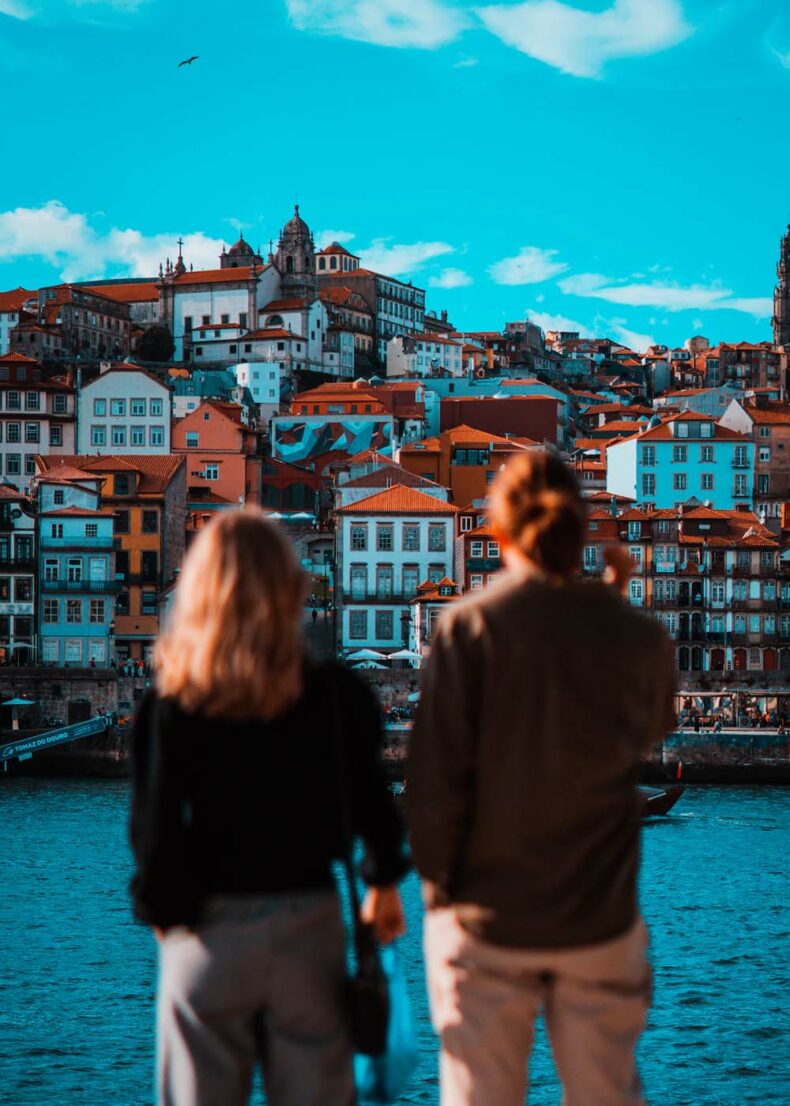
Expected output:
(388, 544)
(125, 410)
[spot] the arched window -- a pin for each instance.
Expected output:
(289, 264)
(322, 263)
(683, 659)
(333, 262)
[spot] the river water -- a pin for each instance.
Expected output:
(77, 976)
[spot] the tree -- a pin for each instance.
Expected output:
(156, 344)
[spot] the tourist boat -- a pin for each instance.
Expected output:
(659, 800)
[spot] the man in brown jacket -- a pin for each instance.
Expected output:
(539, 695)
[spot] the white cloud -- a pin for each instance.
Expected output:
(397, 260)
(581, 42)
(67, 241)
(426, 24)
(631, 338)
(465, 63)
(670, 297)
(547, 321)
(14, 9)
(450, 278)
(326, 237)
(531, 265)
(783, 57)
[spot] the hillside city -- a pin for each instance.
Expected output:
(132, 411)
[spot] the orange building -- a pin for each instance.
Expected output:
(223, 469)
(463, 459)
(146, 493)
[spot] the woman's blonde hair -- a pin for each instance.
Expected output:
(537, 506)
(233, 643)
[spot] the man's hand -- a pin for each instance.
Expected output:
(383, 910)
(619, 566)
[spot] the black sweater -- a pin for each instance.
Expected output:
(223, 807)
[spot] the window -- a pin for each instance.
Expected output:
(91, 530)
(32, 401)
(187, 324)
(648, 455)
(707, 481)
(476, 581)
(476, 550)
(56, 435)
(74, 570)
(156, 408)
(763, 484)
(205, 320)
(741, 485)
(679, 451)
(137, 408)
(73, 610)
(411, 539)
(193, 439)
(23, 589)
(32, 432)
(137, 435)
(118, 408)
(466, 523)
(590, 558)
(706, 454)
(358, 625)
(59, 405)
(212, 471)
(122, 485)
(766, 559)
(13, 401)
(717, 591)
(118, 435)
(384, 622)
(56, 530)
(148, 603)
(741, 457)
(157, 436)
(13, 432)
(384, 537)
(764, 454)
(150, 522)
(648, 484)
(636, 555)
(437, 538)
(679, 481)
(635, 592)
(100, 408)
(149, 564)
(121, 522)
(682, 429)
(706, 430)
(98, 435)
(50, 611)
(359, 537)
(96, 612)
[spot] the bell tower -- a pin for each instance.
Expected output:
(295, 260)
(781, 319)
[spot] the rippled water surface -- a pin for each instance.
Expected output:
(77, 975)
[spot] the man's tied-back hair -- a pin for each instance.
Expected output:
(233, 646)
(537, 507)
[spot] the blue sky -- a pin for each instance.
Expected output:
(620, 165)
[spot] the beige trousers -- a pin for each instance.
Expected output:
(486, 998)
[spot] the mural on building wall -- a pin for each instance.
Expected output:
(303, 440)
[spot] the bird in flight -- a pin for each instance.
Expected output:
(188, 61)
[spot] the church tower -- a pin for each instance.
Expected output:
(781, 319)
(295, 260)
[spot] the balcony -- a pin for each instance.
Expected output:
(665, 604)
(379, 595)
(139, 579)
(17, 564)
(77, 541)
(665, 567)
(716, 637)
(84, 587)
(743, 571)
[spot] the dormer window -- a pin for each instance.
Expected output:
(706, 430)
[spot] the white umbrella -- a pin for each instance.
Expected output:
(369, 664)
(367, 655)
(405, 655)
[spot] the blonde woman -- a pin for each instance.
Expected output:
(236, 819)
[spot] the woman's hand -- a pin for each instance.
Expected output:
(619, 566)
(383, 910)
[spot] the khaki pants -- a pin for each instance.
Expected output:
(260, 981)
(486, 998)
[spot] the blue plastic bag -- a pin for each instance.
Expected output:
(383, 1079)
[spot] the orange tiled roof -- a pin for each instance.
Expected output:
(66, 473)
(144, 292)
(267, 332)
(17, 359)
(335, 247)
(293, 304)
(778, 414)
(399, 501)
(13, 300)
(79, 511)
(156, 470)
(217, 276)
(388, 475)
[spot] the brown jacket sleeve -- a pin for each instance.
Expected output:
(661, 681)
(442, 754)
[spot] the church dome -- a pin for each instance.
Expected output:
(296, 223)
(241, 249)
